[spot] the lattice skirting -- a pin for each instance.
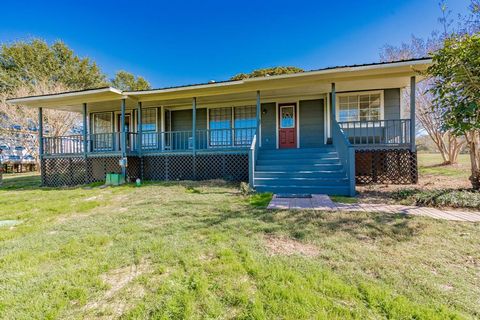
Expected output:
(71, 171)
(232, 167)
(386, 166)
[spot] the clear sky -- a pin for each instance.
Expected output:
(182, 42)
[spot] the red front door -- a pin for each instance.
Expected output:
(287, 129)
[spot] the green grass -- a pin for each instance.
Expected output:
(344, 199)
(429, 164)
(202, 250)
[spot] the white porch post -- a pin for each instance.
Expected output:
(412, 113)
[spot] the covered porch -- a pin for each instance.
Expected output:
(348, 108)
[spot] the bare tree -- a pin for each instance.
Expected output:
(21, 123)
(429, 119)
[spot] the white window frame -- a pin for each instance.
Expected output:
(359, 93)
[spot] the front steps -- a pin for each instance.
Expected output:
(301, 171)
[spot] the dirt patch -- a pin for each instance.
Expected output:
(112, 306)
(280, 245)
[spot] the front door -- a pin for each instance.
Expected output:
(287, 132)
(127, 129)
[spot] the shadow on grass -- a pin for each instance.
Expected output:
(363, 226)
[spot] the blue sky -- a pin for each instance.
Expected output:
(182, 42)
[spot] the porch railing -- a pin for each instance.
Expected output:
(394, 132)
(151, 141)
(346, 153)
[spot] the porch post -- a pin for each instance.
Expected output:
(139, 129)
(333, 103)
(85, 130)
(194, 125)
(40, 133)
(40, 142)
(412, 113)
(123, 141)
(257, 116)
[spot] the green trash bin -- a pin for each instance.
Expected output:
(114, 179)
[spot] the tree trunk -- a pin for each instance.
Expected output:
(473, 140)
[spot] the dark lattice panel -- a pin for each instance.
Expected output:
(58, 172)
(154, 168)
(232, 167)
(179, 167)
(98, 167)
(386, 166)
(133, 168)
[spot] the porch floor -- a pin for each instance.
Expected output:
(323, 202)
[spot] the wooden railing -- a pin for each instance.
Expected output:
(151, 141)
(346, 153)
(394, 132)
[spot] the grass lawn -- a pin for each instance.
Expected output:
(202, 250)
(429, 164)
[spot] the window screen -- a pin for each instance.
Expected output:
(245, 122)
(220, 122)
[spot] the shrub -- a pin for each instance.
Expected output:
(457, 198)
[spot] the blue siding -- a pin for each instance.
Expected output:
(269, 134)
(312, 125)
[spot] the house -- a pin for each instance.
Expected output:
(319, 131)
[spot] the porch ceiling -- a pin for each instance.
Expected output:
(355, 78)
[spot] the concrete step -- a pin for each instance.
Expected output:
(294, 189)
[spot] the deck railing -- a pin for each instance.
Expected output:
(346, 153)
(394, 132)
(167, 141)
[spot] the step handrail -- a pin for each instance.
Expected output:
(346, 153)
(252, 160)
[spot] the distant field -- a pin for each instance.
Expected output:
(428, 163)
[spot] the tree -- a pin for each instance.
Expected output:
(126, 81)
(266, 72)
(28, 63)
(456, 88)
(19, 125)
(429, 119)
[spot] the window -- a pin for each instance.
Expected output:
(360, 107)
(102, 127)
(244, 120)
(220, 124)
(149, 128)
(102, 122)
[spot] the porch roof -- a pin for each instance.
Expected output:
(347, 78)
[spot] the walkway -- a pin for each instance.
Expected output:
(324, 203)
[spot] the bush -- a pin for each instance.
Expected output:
(457, 198)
